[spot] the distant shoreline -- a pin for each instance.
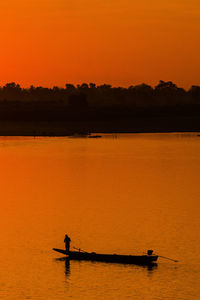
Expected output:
(84, 109)
(85, 128)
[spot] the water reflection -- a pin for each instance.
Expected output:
(150, 268)
(119, 195)
(67, 265)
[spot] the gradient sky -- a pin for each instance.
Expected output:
(121, 42)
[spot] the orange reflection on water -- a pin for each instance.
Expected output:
(111, 195)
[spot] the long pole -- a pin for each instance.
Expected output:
(168, 258)
(79, 249)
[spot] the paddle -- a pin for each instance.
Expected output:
(168, 258)
(79, 249)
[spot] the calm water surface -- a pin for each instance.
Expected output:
(118, 194)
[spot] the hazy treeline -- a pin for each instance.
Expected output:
(143, 95)
(89, 101)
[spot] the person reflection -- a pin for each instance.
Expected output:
(152, 267)
(67, 267)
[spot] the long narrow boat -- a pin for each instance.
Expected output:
(113, 258)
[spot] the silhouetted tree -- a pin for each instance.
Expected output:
(92, 85)
(167, 93)
(70, 87)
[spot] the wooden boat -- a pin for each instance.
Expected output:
(112, 258)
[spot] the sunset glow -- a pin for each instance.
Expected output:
(121, 42)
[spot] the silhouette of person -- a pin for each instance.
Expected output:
(67, 241)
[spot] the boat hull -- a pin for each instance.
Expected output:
(112, 258)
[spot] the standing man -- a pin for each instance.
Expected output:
(67, 241)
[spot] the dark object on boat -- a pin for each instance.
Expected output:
(112, 258)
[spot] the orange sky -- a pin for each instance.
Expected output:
(121, 42)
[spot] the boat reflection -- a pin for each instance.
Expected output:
(150, 267)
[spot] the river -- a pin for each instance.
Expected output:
(123, 194)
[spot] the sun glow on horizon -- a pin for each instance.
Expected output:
(118, 42)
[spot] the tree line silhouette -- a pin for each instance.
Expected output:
(99, 103)
(143, 95)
